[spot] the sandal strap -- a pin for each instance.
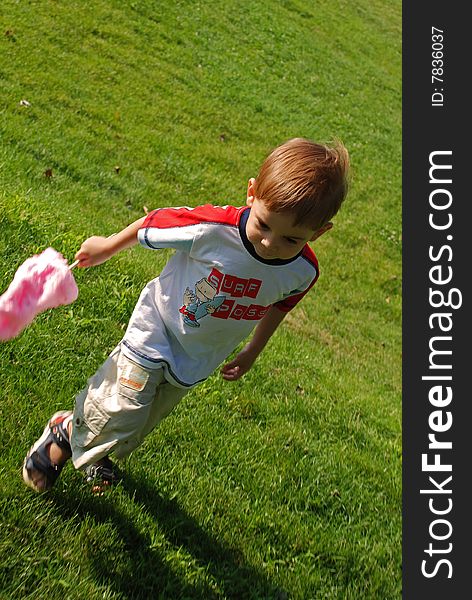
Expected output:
(105, 471)
(60, 435)
(37, 462)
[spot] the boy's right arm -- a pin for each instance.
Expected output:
(96, 249)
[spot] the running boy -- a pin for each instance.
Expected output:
(234, 269)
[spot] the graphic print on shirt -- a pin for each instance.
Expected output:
(200, 302)
(207, 299)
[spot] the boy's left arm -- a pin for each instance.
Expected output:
(246, 358)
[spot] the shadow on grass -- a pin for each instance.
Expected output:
(141, 571)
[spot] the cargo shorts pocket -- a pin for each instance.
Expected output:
(90, 418)
(135, 382)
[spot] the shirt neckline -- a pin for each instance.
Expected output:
(250, 248)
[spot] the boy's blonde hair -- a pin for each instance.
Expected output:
(306, 179)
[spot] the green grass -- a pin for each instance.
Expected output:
(286, 484)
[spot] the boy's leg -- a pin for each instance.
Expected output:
(166, 399)
(111, 414)
(122, 403)
(47, 456)
(102, 474)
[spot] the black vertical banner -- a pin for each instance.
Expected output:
(437, 241)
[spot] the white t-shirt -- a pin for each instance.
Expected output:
(212, 292)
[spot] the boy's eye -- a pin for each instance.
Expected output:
(262, 225)
(291, 241)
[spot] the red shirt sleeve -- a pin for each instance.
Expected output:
(164, 218)
(287, 304)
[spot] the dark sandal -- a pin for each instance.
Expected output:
(37, 458)
(102, 474)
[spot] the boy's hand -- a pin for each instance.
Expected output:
(240, 365)
(94, 251)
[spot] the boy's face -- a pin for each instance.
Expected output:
(273, 234)
(204, 290)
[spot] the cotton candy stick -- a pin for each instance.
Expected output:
(74, 264)
(43, 281)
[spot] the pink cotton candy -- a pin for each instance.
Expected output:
(41, 282)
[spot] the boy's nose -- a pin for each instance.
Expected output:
(268, 242)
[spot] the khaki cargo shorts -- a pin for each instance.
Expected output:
(121, 404)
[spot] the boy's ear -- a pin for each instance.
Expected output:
(250, 192)
(319, 232)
